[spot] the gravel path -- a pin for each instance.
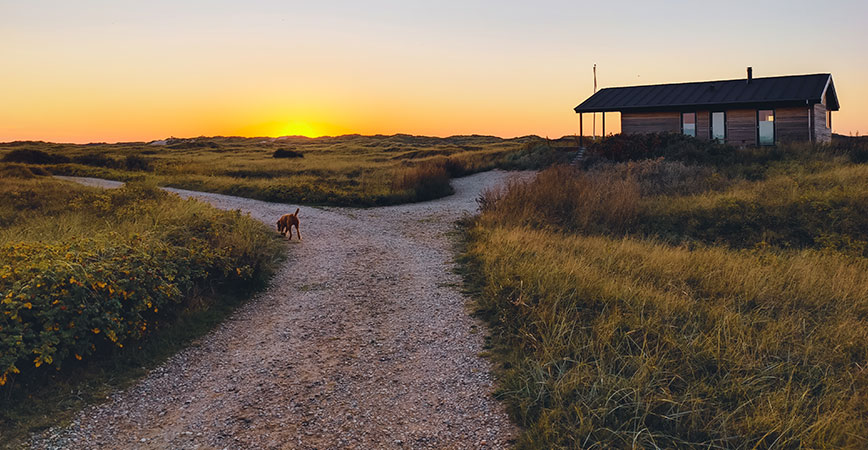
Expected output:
(362, 341)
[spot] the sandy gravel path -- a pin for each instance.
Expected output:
(362, 341)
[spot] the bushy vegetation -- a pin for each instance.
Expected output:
(345, 170)
(750, 162)
(685, 204)
(85, 272)
(678, 304)
(39, 157)
(81, 268)
(674, 146)
(287, 153)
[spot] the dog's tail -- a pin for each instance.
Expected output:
(297, 210)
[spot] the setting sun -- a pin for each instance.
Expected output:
(298, 128)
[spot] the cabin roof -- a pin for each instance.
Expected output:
(791, 90)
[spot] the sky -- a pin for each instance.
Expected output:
(117, 70)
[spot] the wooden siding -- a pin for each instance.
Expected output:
(792, 124)
(822, 133)
(703, 125)
(657, 122)
(741, 127)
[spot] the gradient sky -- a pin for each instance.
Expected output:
(116, 70)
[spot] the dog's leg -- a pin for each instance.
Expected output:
(296, 232)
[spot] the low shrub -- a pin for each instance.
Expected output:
(855, 147)
(122, 262)
(286, 153)
(96, 160)
(534, 155)
(828, 209)
(138, 163)
(30, 156)
(658, 176)
(676, 146)
(21, 171)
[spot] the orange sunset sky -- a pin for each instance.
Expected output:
(92, 71)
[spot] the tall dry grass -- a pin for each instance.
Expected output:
(423, 182)
(615, 342)
(654, 304)
(822, 208)
(564, 197)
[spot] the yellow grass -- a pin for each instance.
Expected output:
(615, 341)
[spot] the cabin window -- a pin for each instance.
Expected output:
(688, 124)
(828, 119)
(718, 126)
(766, 127)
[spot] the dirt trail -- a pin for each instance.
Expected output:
(362, 341)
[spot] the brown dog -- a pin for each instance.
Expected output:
(285, 223)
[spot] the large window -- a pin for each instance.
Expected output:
(688, 124)
(718, 126)
(766, 127)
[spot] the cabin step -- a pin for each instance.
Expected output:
(580, 155)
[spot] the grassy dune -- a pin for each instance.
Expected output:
(345, 170)
(95, 284)
(671, 305)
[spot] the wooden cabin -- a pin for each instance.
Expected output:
(744, 112)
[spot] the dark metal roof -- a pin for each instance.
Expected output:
(771, 91)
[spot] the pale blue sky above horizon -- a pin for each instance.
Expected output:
(120, 70)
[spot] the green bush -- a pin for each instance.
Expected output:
(287, 153)
(675, 146)
(31, 156)
(129, 259)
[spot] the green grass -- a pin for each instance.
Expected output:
(661, 304)
(346, 170)
(97, 284)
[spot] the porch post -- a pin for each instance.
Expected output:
(604, 126)
(581, 132)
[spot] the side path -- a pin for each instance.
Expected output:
(361, 341)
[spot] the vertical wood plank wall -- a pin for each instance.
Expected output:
(656, 122)
(821, 131)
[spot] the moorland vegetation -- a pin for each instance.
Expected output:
(674, 293)
(95, 284)
(350, 170)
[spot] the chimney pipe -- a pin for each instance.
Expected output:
(749, 74)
